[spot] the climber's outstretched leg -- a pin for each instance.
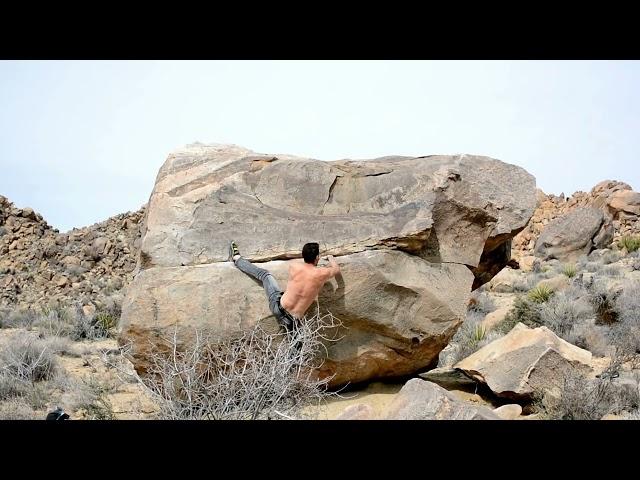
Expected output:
(269, 284)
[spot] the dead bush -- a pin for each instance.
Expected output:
(260, 375)
(581, 398)
(27, 358)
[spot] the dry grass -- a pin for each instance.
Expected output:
(610, 257)
(524, 311)
(67, 321)
(565, 309)
(625, 333)
(585, 399)
(27, 358)
(17, 409)
(629, 243)
(260, 375)
(569, 270)
(481, 302)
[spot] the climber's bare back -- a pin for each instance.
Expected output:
(305, 282)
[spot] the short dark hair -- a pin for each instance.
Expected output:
(310, 251)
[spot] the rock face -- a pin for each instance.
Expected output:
(574, 234)
(625, 201)
(523, 361)
(423, 400)
(412, 235)
(446, 209)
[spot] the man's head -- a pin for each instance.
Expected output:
(310, 253)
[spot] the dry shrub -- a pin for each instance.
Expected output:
(260, 375)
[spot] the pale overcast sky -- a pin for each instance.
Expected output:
(83, 140)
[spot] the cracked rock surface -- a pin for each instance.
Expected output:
(413, 236)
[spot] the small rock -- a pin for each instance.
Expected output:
(509, 412)
(447, 376)
(60, 280)
(360, 411)
(423, 400)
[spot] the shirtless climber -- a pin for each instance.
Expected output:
(305, 282)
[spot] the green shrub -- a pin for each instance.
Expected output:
(523, 311)
(540, 294)
(629, 243)
(569, 270)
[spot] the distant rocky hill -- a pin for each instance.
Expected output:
(41, 266)
(617, 201)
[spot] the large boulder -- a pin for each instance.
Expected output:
(423, 400)
(413, 235)
(574, 234)
(624, 201)
(525, 361)
(399, 310)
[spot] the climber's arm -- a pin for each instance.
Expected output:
(331, 271)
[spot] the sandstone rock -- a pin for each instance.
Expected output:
(504, 281)
(397, 321)
(608, 187)
(528, 263)
(556, 284)
(524, 361)
(99, 247)
(624, 201)
(29, 213)
(605, 236)
(447, 376)
(129, 224)
(496, 317)
(408, 232)
(570, 236)
(426, 197)
(422, 400)
(60, 280)
(509, 412)
(70, 260)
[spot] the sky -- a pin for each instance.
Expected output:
(81, 141)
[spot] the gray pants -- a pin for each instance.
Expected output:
(272, 290)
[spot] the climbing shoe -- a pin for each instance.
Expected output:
(233, 250)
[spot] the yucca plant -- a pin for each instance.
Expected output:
(478, 334)
(540, 294)
(569, 270)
